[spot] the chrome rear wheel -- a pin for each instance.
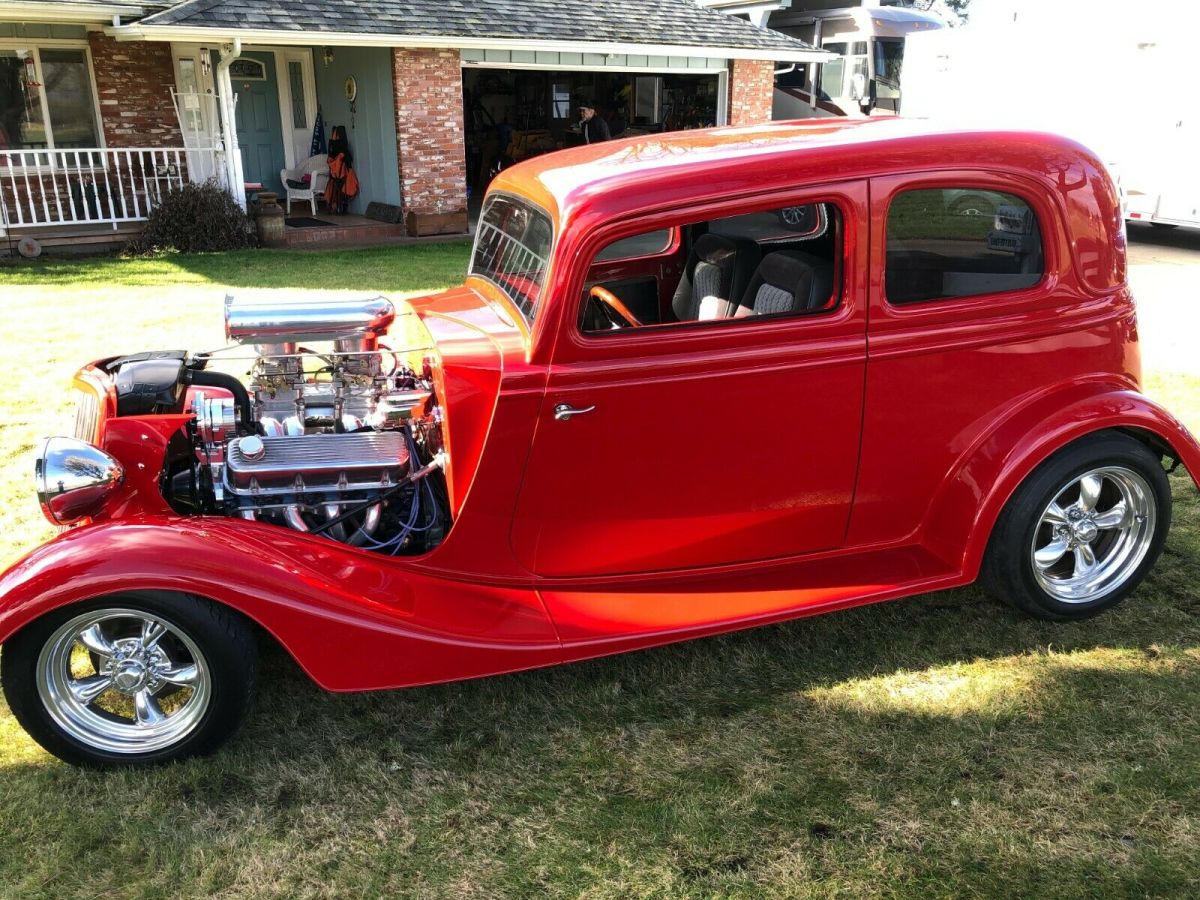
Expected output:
(1083, 530)
(1094, 534)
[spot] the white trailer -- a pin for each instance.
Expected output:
(1112, 76)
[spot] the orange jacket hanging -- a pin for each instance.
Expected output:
(342, 180)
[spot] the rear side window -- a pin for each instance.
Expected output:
(944, 243)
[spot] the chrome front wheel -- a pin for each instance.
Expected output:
(143, 677)
(1094, 534)
(124, 681)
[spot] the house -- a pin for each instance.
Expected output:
(106, 104)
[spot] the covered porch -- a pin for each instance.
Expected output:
(281, 106)
(96, 130)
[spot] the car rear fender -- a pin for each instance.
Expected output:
(963, 513)
(352, 620)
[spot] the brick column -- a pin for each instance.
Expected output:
(751, 91)
(430, 140)
(134, 81)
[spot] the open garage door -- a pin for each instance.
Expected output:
(513, 113)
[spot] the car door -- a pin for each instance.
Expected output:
(693, 445)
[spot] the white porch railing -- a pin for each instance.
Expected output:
(93, 186)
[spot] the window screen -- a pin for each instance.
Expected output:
(960, 242)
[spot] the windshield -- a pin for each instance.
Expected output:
(512, 249)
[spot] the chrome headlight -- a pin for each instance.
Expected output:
(74, 479)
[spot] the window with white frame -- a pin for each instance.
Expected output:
(47, 98)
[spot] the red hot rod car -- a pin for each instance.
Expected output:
(692, 383)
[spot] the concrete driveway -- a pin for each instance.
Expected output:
(1164, 272)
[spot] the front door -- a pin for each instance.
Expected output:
(259, 129)
(700, 444)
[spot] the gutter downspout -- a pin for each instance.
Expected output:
(233, 156)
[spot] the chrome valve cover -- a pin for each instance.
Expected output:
(317, 462)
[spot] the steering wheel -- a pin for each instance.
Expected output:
(616, 311)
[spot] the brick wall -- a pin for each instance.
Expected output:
(430, 139)
(751, 91)
(134, 81)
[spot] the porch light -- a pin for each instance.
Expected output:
(327, 55)
(205, 61)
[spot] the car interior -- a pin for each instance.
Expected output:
(771, 263)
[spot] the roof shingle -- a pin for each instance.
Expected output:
(667, 22)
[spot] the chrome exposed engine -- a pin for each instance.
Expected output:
(332, 432)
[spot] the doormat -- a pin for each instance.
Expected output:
(306, 222)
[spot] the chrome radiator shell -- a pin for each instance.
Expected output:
(339, 463)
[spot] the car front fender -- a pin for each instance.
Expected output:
(962, 515)
(351, 619)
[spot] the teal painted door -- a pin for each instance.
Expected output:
(259, 132)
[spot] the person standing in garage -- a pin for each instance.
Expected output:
(593, 128)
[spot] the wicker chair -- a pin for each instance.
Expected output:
(315, 166)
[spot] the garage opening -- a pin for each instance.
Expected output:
(515, 114)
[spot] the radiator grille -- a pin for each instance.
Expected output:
(87, 414)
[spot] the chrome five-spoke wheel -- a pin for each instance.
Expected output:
(123, 680)
(1081, 532)
(1094, 534)
(141, 677)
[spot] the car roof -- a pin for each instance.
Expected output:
(634, 173)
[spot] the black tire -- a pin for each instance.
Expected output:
(1009, 567)
(222, 636)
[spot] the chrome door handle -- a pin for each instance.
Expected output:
(564, 411)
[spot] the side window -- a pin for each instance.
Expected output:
(944, 243)
(651, 243)
(772, 263)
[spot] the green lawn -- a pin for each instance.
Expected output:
(943, 746)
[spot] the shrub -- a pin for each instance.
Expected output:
(196, 218)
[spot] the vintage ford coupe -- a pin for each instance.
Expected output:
(692, 383)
